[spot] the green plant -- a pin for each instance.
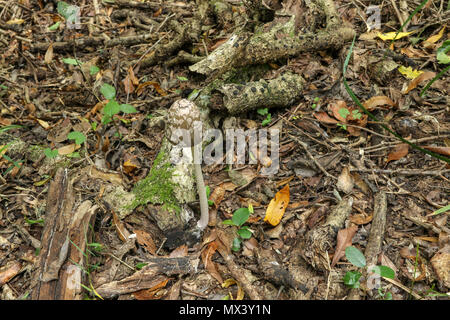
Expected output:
(316, 100)
(384, 295)
(443, 58)
(208, 192)
(49, 153)
(240, 216)
(356, 258)
(265, 112)
(113, 107)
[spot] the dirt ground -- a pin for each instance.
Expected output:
(334, 158)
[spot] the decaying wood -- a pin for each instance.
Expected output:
(236, 271)
(156, 271)
(317, 242)
(376, 236)
(273, 270)
(59, 275)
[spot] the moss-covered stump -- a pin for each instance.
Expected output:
(167, 190)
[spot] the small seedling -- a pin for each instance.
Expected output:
(356, 258)
(113, 107)
(265, 112)
(77, 136)
(51, 154)
(208, 192)
(240, 216)
(316, 101)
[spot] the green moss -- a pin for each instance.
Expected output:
(157, 187)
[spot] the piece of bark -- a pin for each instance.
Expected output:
(376, 236)
(317, 242)
(57, 277)
(279, 92)
(156, 271)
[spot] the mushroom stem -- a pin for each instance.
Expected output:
(204, 214)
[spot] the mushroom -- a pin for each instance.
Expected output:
(183, 121)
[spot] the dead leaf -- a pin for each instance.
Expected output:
(336, 108)
(179, 252)
(130, 165)
(122, 232)
(277, 206)
(344, 240)
(415, 82)
(324, 117)
(230, 282)
(399, 152)
(377, 101)
(9, 272)
(207, 254)
(441, 150)
(345, 181)
(68, 149)
(49, 54)
(151, 293)
(217, 195)
(145, 240)
(360, 219)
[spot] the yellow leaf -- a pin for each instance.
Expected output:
(15, 21)
(277, 206)
(409, 72)
(67, 149)
(436, 37)
(391, 35)
(43, 124)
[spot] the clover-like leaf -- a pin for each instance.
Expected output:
(78, 136)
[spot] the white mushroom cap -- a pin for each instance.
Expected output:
(183, 120)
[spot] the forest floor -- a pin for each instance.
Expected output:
(51, 117)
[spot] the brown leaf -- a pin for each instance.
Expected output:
(324, 117)
(9, 272)
(277, 206)
(217, 196)
(49, 54)
(208, 263)
(145, 240)
(334, 107)
(344, 239)
(399, 152)
(179, 252)
(377, 101)
(150, 294)
(360, 219)
(122, 232)
(345, 181)
(415, 82)
(441, 150)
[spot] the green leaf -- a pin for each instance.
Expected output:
(351, 279)
(29, 221)
(111, 108)
(140, 265)
(442, 210)
(78, 136)
(62, 8)
(208, 191)
(74, 155)
(72, 61)
(236, 244)
(240, 216)
(106, 119)
(193, 95)
(108, 91)
(93, 70)
(9, 127)
(343, 112)
(263, 111)
(355, 257)
(228, 222)
(267, 120)
(127, 108)
(244, 233)
(441, 53)
(49, 153)
(54, 26)
(384, 271)
(182, 78)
